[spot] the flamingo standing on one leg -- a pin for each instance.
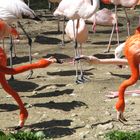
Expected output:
(76, 10)
(5, 70)
(80, 34)
(124, 4)
(15, 10)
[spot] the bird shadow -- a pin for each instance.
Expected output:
(57, 55)
(46, 40)
(45, 86)
(53, 93)
(8, 107)
(18, 60)
(104, 56)
(67, 73)
(54, 128)
(120, 75)
(106, 42)
(65, 106)
(22, 86)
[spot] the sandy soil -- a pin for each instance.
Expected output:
(57, 105)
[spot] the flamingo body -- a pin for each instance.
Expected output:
(12, 10)
(76, 9)
(82, 32)
(103, 17)
(132, 54)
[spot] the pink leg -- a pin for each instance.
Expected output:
(14, 94)
(110, 39)
(128, 22)
(114, 94)
(117, 29)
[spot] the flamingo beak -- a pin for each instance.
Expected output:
(21, 124)
(120, 116)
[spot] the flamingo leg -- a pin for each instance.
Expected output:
(117, 29)
(11, 55)
(14, 94)
(63, 32)
(110, 39)
(78, 81)
(128, 22)
(30, 47)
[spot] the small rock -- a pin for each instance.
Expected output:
(74, 115)
(83, 135)
(34, 92)
(52, 87)
(107, 113)
(88, 126)
(8, 96)
(68, 85)
(28, 105)
(35, 54)
(78, 124)
(107, 126)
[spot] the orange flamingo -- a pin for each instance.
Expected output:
(5, 70)
(8, 31)
(132, 54)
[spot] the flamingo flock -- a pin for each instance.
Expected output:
(78, 13)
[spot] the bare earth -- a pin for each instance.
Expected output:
(58, 106)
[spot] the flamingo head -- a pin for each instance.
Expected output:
(120, 105)
(137, 31)
(2, 25)
(14, 32)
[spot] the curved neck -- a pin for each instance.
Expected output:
(95, 4)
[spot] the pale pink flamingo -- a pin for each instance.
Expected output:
(124, 4)
(5, 70)
(75, 10)
(103, 17)
(80, 34)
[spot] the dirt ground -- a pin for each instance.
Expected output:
(58, 106)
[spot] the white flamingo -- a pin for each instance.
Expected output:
(75, 10)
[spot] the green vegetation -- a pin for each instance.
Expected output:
(120, 135)
(23, 135)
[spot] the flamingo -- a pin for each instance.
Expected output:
(80, 34)
(14, 10)
(7, 31)
(75, 10)
(56, 2)
(42, 63)
(103, 17)
(124, 4)
(132, 54)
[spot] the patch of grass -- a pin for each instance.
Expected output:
(120, 135)
(23, 135)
